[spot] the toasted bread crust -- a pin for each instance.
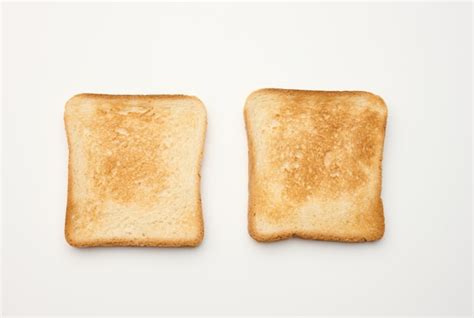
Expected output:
(314, 166)
(147, 173)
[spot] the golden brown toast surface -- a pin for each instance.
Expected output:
(315, 164)
(134, 164)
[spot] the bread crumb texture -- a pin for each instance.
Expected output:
(315, 164)
(134, 170)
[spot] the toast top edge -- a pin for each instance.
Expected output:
(130, 96)
(127, 98)
(376, 99)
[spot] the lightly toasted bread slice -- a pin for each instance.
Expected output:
(134, 170)
(315, 164)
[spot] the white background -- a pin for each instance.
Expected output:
(416, 56)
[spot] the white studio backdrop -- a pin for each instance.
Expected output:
(418, 57)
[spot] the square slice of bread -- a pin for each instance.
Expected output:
(134, 170)
(315, 165)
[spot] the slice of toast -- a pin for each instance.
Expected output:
(315, 165)
(134, 170)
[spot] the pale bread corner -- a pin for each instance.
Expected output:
(315, 165)
(134, 170)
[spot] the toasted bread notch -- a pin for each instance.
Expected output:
(134, 170)
(315, 165)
